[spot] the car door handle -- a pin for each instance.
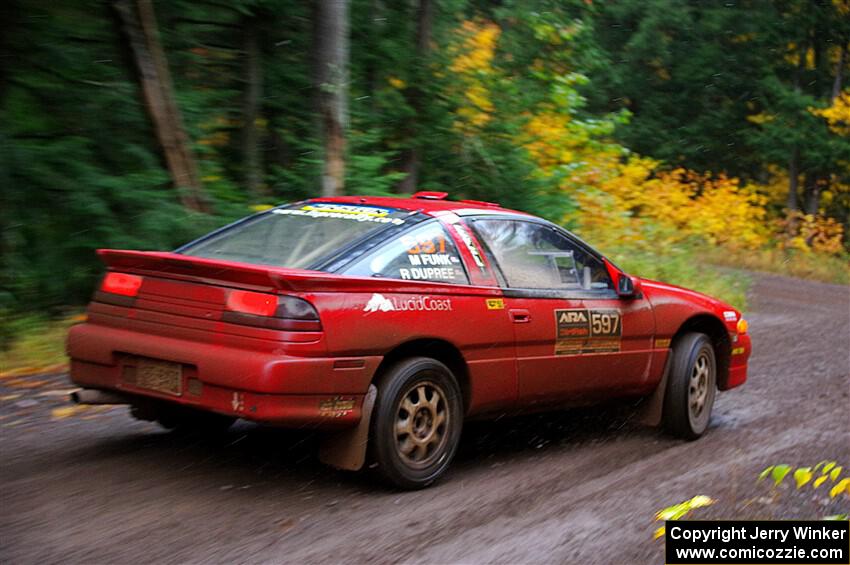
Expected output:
(520, 316)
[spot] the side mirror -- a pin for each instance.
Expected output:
(627, 286)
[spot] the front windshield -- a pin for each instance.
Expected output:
(296, 236)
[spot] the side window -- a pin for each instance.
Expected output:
(424, 254)
(534, 255)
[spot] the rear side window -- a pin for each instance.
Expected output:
(533, 255)
(423, 254)
(296, 236)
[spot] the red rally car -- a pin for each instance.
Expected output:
(388, 321)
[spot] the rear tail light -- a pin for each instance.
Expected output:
(120, 289)
(121, 283)
(271, 311)
(742, 326)
(255, 303)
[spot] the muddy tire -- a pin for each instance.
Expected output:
(691, 386)
(417, 422)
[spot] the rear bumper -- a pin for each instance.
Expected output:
(256, 385)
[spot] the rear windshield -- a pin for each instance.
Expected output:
(296, 236)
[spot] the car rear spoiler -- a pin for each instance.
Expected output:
(175, 265)
(246, 275)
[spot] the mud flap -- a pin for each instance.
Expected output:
(652, 411)
(346, 450)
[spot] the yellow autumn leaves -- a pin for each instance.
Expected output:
(472, 62)
(823, 471)
(634, 200)
(837, 115)
(818, 475)
(648, 205)
(679, 511)
(628, 199)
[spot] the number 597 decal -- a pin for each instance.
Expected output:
(587, 331)
(604, 323)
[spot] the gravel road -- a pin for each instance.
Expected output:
(95, 486)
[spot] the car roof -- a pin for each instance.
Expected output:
(425, 202)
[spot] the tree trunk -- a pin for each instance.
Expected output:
(252, 164)
(839, 72)
(793, 179)
(794, 161)
(140, 28)
(411, 156)
(331, 52)
(812, 188)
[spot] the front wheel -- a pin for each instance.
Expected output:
(691, 386)
(417, 424)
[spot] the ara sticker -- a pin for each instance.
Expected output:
(730, 316)
(470, 245)
(587, 331)
(495, 304)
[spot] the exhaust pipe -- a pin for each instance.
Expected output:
(93, 396)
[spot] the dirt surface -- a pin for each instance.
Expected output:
(95, 486)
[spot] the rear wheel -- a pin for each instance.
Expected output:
(417, 423)
(691, 386)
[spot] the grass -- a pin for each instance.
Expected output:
(35, 344)
(685, 266)
(706, 269)
(823, 268)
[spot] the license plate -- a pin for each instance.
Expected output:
(161, 376)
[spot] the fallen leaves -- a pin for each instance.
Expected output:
(85, 410)
(26, 383)
(30, 371)
(678, 511)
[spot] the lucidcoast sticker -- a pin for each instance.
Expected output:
(587, 331)
(380, 303)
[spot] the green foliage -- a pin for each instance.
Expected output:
(695, 75)
(38, 342)
(81, 168)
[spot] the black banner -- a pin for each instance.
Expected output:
(805, 542)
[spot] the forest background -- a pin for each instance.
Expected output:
(679, 138)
